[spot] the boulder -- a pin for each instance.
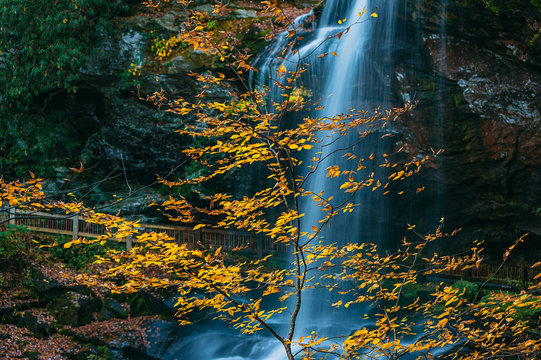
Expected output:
(50, 289)
(74, 309)
(145, 303)
(38, 322)
(112, 309)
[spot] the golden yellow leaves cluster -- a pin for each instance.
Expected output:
(18, 193)
(242, 133)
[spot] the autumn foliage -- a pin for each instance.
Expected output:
(241, 133)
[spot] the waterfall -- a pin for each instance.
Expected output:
(360, 76)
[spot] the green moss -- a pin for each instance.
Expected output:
(500, 6)
(459, 101)
(534, 38)
(31, 355)
(492, 6)
(428, 84)
(537, 4)
(410, 292)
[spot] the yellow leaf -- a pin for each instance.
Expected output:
(443, 322)
(199, 226)
(374, 15)
(48, 246)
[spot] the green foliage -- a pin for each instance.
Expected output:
(11, 246)
(129, 79)
(492, 6)
(28, 282)
(523, 313)
(32, 143)
(101, 352)
(537, 4)
(469, 290)
(412, 291)
(499, 6)
(78, 257)
(43, 45)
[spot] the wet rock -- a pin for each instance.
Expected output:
(178, 65)
(74, 309)
(115, 53)
(50, 289)
(113, 309)
(120, 338)
(169, 22)
(144, 303)
(162, 335)
(493, 88)
(38, 322)
(46, 287)
(244, 13)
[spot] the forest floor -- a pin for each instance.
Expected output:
(45, 314)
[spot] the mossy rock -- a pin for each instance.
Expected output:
(74, 309)
(36, 324)
(469, 289)
(143, 303)
(112, 309)
(410, 292)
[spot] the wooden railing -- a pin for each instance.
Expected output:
(513, 275)
(210, 238)
(228, 240)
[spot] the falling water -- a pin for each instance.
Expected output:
(360, 76)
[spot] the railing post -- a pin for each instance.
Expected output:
(129, 243)
(12, 215)
(197, 237)
(75, 220)
(524, 274)
(259, 245)
(466, 275)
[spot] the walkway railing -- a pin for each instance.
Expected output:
(513, 275)
(229, 240)
(210, 238)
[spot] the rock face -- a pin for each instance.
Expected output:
(124, 141)
(117, 129)
(478, 81)
(476, 75)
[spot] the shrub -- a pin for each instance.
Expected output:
(12, 246)
(469, 290)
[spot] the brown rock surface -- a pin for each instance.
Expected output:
(479, 92)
